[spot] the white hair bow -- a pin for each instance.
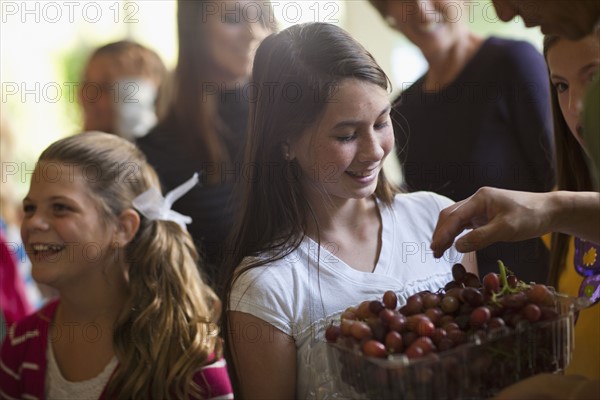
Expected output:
(152, 205)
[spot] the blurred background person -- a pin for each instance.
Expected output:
(479, 116)
(120, 91)
(205, 126)
(19, 294)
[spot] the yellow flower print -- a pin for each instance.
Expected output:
(589, 258)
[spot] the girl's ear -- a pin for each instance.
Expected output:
(127, 226)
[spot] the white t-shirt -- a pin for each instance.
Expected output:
(59, 388)
(302, 292)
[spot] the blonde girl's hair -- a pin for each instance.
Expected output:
(167, 329)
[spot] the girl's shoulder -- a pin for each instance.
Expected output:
(40, 319)
(264, 272)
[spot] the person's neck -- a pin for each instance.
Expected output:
(228, 82)
(445, 66)
(100, 302)
(335, 214)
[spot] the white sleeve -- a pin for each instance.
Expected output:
(265, 293)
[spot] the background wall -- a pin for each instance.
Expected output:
(43, 45)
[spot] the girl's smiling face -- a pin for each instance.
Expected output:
(572, 66)
(344, 152)
(66, 234)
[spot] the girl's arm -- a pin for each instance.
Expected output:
(264, 358)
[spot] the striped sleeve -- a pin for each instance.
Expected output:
(17, 366)
(23, 356)
(214, 382)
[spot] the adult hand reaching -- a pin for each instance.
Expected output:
(498, 215)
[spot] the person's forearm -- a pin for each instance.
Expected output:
(576, 214)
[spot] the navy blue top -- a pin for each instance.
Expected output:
(491, 126)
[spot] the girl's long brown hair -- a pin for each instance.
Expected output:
(296, 72)
(194, 107)
(167, 329)
(572, 171)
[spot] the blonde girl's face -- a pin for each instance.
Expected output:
(66, 235)
(234, 32)
(343, 154)
(572, 65)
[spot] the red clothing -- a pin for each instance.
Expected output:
(13, 299)
(23, 361)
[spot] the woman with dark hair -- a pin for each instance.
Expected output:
(575, 267)
(320, 228)
(205, 127)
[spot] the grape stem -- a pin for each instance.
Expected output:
(505, 287)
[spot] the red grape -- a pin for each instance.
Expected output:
(540, 295)
(345, 326)
(399, 323)
(376, 306)
(393, 342)
(360, 330)
(459, 273)
(364, 310)
(373, 348)
(425, 343)
(386, 315)
(472, 296)
(438, 334)
(414, 304)
(472, 280)
(332, 333)
(434, 314)
(431, 300)
(480, 316)
(496, 323)
(414, 352)
(491, 283)
(450, 304)
(531, 312)
(425, 328)
(390, 300)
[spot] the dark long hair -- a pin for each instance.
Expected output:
(192, 109)
(295, 74)
(572, 171)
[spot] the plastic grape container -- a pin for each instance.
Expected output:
(474, 370)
